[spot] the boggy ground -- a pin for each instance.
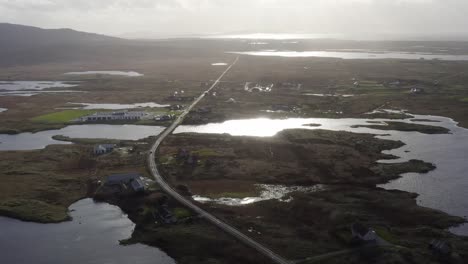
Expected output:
(297, 81)
(296, 156)
(382, 84)
(40, 185)
(312, 223)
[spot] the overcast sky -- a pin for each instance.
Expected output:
(149, 18)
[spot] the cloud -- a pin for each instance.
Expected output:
(207, 16)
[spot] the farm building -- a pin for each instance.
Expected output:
(114, 116)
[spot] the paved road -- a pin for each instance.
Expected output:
(168, 189)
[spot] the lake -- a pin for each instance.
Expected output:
(119, 73)
(273, 36)
(91, 238)
(90, 106)
(355, 55)
(443, 188)
(33, 85)
(32, 93)
(39, 140)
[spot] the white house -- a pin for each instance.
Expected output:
(103, 149)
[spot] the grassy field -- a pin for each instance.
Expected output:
(181, 212)
(64, 116)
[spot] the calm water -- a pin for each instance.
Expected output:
(274, 36)
(267, 192)
(30, 141)
(329, 95)
(258, 43)
(91, 238)
(219, 64)
(31, 93)
(355, 55)
(443, 189)
(115, 106)
(3, 109)
(32, 85)
(121, 73)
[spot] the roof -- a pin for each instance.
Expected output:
(107, 145)
(103, 148)
(137, 184)
(360, 229)
(122, 178)
(99, 147)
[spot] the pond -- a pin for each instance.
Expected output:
(32, 93)
(267, 192)
(118, 73)
(39, 140)
(91, 238)
(90, 106)
(355, 55)
(443, 188)
(329, 95)
(33, 85)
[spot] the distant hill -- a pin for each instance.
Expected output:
(19, 36)
(28, 45)
(25, 45)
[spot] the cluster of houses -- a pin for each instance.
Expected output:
(258, 87)
(180, 97)
(397, 83)
(164, 117)
(291, 85)
(363, 235)
(115, 116)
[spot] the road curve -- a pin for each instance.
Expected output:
(170, 191)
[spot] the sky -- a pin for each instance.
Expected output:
(160, 18)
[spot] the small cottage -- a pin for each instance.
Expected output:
(416, 90)
(363, 234)
(103, 149)
(128, 181)
(440, 247)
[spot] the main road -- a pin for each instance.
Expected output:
(188, 203)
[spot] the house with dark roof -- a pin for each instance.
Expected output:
(362, 233)
(127, 181)
(439, 247)
(366, 235)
